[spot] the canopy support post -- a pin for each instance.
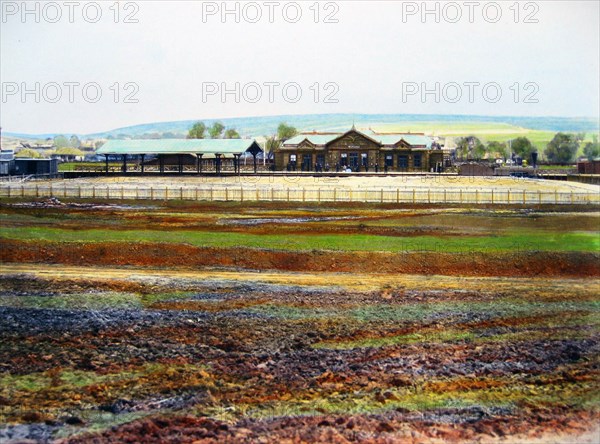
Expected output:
(218, 163)
(199, 163)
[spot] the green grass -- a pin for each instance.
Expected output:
(575, 241)
(75, 166)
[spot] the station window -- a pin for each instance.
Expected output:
(417, 161)
(402, 161)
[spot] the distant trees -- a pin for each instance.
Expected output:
(470, 147)
(562, 148)
(495, 148)
(271, 145)
(522, 147)
(74, 142)
(231, 133)
(216, 130)
(61, 142)
(285, 132)
(591, 150)
(273, 142)
(197, 131)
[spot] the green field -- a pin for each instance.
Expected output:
(357, 242)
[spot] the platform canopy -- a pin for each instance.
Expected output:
(209, 147)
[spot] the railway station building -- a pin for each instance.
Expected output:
(360, 151)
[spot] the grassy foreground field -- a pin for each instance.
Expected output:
(259, 322)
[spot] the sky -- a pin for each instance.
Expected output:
(84, 67)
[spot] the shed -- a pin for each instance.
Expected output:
(36, 166)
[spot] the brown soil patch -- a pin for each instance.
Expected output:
(525, 264)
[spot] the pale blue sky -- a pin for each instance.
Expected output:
(369, 54)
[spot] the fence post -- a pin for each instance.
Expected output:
(539, 197)
(8, 189)
(335, 194)
(509, 196)
(166, 193)
(319, 195)
(226, 194)
(79, 191)
(492, 196)
(272, 194)
(414, 195)
(22, 190)
(93, 191)
(288, 194)
(303, 194)
(429, 195)
(122, 193)
(180, 193)
(241, 194)
(151, 193)
(350, 195)
(137, 193)
(382, 195)
(257, 197)
(524, 197)
(445, 196)
(107, 192)
(212, 194)
(65, 191)
(461, 199)
(555, 197)
(571, 197)
(397, 195)
(37, 190)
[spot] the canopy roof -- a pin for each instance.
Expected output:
(181, 146)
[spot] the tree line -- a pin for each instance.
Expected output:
(216, 131)
(563, 148)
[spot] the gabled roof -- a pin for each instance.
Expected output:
(315, 139)
(411, 139)
(179, 146)
(354, 130)
(382, 139)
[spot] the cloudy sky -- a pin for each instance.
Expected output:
(85, 67)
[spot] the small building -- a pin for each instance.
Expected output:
(589, 166)
(7, 161)
(35, 167)
(477, 169)
(360, 151)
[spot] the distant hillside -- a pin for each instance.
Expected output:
(260, 126)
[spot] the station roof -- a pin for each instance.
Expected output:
(180, 146)
(383, 139)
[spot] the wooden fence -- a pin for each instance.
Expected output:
(298, 194)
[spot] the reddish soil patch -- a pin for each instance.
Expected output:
(393, 427)
(527, 264)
